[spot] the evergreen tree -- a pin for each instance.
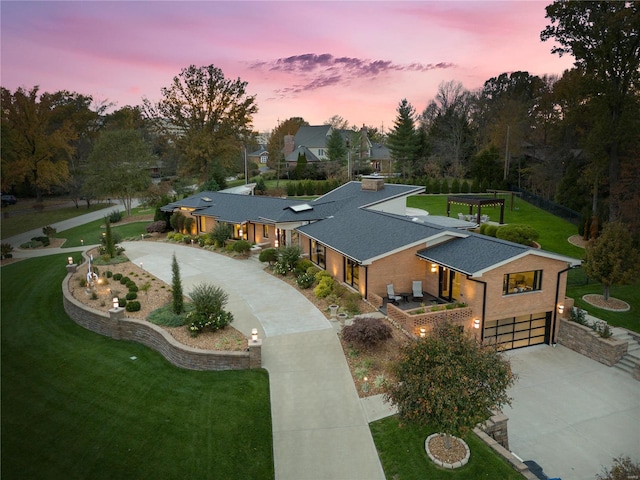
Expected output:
(403, 139)
(109, 244)
(337, 148)
(301, 166)
(176, 287)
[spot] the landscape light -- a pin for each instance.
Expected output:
(116, 302)
(254, 334)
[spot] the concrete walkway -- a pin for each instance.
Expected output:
(320, 429)
(570, 414)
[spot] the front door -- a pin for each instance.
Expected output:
(444, 290)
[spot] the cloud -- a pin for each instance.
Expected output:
(324, 70)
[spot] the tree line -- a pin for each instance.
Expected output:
(573, 138)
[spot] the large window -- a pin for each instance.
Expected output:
(265, 230)
(522, 282)
(351, 272)
(318, 254)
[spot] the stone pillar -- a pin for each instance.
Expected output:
(255, 353)
(116, 314)
(496, 428)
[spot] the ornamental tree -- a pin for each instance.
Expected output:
(450, 380)
(176, 287)
(613, 258)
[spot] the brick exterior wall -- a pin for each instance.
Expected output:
(119, 327)
(585, 341)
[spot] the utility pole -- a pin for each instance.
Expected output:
(506, 157)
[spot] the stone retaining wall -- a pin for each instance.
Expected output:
(119, 327)
(585, 341)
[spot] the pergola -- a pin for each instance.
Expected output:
(479, 202)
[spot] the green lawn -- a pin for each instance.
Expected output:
(92, 232)
(553, 230)
(79, 405)
(402, 453)
(15, 223)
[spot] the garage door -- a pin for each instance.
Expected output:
(517, 332)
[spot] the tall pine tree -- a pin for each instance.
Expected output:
(403, 139)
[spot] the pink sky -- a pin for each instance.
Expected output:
(309, 59)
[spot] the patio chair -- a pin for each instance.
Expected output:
(417, 293)
(391, 296)
(461, 216)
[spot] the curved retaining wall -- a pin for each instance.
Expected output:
(117, 326)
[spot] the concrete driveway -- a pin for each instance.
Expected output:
(570, 414)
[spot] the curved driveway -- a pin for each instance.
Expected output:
(320, 429)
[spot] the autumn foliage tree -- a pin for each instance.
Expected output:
(36, 146)
(612, 258)
(450, 380)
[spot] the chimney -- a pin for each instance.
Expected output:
(288, 144)
(372, 183)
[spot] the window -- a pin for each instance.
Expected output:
(203, 224)
(522, 282)
(318, 254)
(320, 153)
(264, 158)
(265, 231)
(351, 272)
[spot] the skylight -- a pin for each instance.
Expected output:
(301, 208)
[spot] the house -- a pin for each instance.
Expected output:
(312, 140)
(260, 157)
(506, 293)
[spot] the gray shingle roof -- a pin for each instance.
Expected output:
(312, 136)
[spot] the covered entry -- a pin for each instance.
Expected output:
(516, 332)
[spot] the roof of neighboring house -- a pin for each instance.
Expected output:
(300, 149)
(260, 151)
(380, 152)
(315, 136)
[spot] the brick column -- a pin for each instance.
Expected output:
(255, 353)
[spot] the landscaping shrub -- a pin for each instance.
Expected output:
(188, 224)
(125, 280)
(49, 231)
(303, 265)
(159, 226)
(177, 221)
(198, 322)
(352, 301)
(483, 228)
(280, 268)
(268, 255)
(122, 302)
(43, 240)
(321, 274)
(117, 276)
(108, 273)
(305, 280)
(132, 287)
(131, 296)
(523, 234)
(220, 233)
(133, 306)
(491, 230)
(115, 216)
(177, 237)
(313, 270)
(208, 299)
(289, 256)
(464, 188)
(324, 287)
(241, 246)
(367, 332)
(5, 250)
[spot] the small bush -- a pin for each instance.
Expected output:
(523, 234)
(132, 287)
(49, 231)
(491, 230)
(483, 228)
(313, 270)
(367, 332)
(241, 246)
(269, 255)
(208, 299)
(279, 268)
(324, 287)
(220, 233)
(133, 306)
(5, 250)
(108, 274)
(125, 280)
(117, 276)
(115, 216)
(43, 240)
(131, 296)
(157, 227)
(122, 302)
(321, 274)
(305, 280)
(303, 265)
(289, 255)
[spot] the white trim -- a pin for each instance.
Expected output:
(572, 262)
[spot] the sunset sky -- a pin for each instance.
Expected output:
(355, 59)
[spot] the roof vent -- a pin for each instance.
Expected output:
(206, 199)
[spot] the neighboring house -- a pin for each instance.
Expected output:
(312, 140)
(508, 293)
(259, 157)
